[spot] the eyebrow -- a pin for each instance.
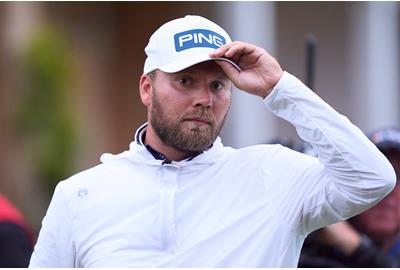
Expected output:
(221, 76)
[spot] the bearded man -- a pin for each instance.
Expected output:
(179, 198)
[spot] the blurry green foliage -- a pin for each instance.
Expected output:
(44, 117)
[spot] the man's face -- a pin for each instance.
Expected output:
(188, 108)
(383, 220)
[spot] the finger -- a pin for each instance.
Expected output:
(237, 49)
(242, 54)
(220, 52)
(229, 69)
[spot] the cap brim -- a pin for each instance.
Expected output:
(185, 63)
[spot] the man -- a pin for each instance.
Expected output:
(179, 198)
(370, 239)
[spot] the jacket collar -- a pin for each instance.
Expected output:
(138, 152)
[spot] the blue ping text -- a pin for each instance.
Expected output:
(198, 38)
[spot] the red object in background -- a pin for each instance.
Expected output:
(9, 213)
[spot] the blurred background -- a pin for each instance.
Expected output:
(69, 74)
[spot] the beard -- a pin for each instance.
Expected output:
(194, 138)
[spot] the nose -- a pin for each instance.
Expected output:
(203, 98)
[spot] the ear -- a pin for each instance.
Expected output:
(146, 89)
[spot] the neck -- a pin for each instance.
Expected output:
(152, 139)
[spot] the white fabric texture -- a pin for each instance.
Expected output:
(249, 207)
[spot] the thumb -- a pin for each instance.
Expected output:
(230, 70)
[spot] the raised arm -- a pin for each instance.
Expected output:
(352, 174)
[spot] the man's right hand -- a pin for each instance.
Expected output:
(260, 71)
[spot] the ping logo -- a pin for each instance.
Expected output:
(198, 38)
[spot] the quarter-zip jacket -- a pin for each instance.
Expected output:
(249, 207)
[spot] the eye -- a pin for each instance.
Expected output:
(216, 85)
(185, 81)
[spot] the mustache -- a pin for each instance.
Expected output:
(202, 114)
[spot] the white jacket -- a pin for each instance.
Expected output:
(250, 207)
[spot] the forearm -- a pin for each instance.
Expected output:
(359, 171)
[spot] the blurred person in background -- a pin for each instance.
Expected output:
(16, 237)
(371, 239)
(180, 198)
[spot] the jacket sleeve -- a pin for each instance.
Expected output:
(55, 246)
(354, 174)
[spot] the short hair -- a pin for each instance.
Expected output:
(152, 75)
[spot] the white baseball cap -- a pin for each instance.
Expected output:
(184, 42)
